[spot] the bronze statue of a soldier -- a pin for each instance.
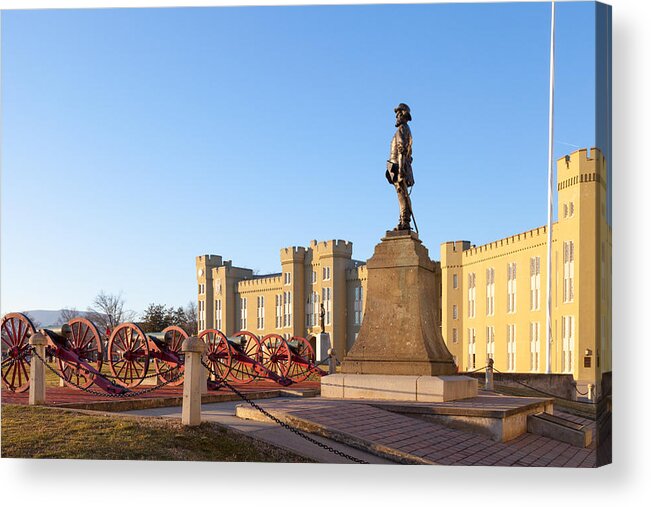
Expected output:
(399, 172)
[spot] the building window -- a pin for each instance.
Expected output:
(568, 271)
(287, 309)
(510, 287)
(218, 314)
(288, 278)
(326, 295)
(455, 281)
(455, 312)
(455, 337)
(260, 312)
(358, 305)
(490, 291)
(490, 342)
(534, 270)
(279, 311)
(472, 341)
(243, 313)
(202, 288)
(510, 347)
(471, 295)
(312, 309)
(313, 276)
(202, 315)
(570, 210)
(326, 273)
(567, 329)
(534, 339)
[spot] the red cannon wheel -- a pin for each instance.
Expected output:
(128, 353)
(301, 369)
(242, 371)
(86, 343)
(15, 330)
(275, 354)
(218, 353)
(174, 338)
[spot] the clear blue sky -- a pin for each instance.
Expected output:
(135, 139)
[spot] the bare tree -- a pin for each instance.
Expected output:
(107, 311)
(191, 318)
(37, 323)
(67, 314)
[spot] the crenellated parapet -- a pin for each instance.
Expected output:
(333, 247)
(292, 254)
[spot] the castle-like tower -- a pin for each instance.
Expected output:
(287, 303)
(495, 297)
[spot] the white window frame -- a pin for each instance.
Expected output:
(218, 314)
(567, 341)
(243, 314)
(326, 299)
(534, 348)
(472, 348)
(357, 305)
(511, 285)
(472, 295)
(260, 312)
(326, 273)
(534, 283)
(490, 292)
(490, 342)
(510, 347)
(568, 271)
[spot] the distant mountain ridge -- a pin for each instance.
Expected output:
(46, 318)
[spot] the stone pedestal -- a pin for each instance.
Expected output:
(322, 346)
(399, 333)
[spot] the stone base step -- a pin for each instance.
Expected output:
(558, 428)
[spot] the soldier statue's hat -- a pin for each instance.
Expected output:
(405, 108)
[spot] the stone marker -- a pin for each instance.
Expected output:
(193, 348)
(37, 370)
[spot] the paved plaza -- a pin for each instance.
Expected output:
(387, 437)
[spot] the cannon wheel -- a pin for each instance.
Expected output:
(128, 353)
(218, 353)
(275, 354)
(174, 337)
(86, 343)
(244, 372)
(15, 330)
(299, 371)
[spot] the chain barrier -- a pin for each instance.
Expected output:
(129, 394)
(296, 431)
(545, 392)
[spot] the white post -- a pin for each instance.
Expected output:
(191, 414)
(37, 370)
(489, 375)
(332, 361)
(550, 196)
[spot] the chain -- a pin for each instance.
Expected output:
(545, 392)
(281, 423)
(129, 394)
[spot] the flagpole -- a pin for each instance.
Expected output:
(550, 195)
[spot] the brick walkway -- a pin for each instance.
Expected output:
(413, 440)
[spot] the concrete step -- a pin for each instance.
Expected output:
(560, 429)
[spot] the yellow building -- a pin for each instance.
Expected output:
(495, 295)
(287, 303)
(492, 297)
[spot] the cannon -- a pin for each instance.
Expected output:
(131, 351)
(76, 346)
(244, 357)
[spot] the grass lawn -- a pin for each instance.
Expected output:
(35, 432)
